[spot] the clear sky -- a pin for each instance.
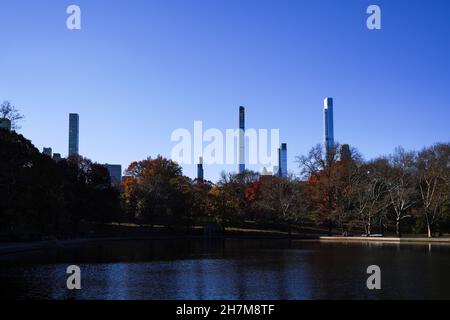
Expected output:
(139, 69)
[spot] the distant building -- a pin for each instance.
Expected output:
(281, 169)
(74, 127)
(47, 152)
(115, 172)
(328, 124)
(344, 153)
(5, 124)
(57, 157)
(200, 173)
(276, 169)
(265, 172)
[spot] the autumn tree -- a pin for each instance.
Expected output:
(232, 193)
(317, 168)
(277, 200)
(344, 179)
(156, 190)
(200, 193)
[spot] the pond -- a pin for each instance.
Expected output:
(228, 269)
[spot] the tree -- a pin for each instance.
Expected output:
(31, 198)
(9, 111)
(317, 169)
(200, 190)
(346, 175)
(371, 191)
(156, 190)
(400, 180)
(331, 184)
(232, 193)
(278, 200)
(433, 167)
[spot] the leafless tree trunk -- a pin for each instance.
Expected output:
(433, 168)
(401, 185)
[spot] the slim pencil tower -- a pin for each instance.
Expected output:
(241, 154)
(328, 124)
(200, 169)
(283, 160)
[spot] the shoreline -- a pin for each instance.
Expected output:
(20, 247)
(403, 240)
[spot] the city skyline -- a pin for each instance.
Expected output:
(218, 158)
(133, 84)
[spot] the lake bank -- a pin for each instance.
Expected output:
(385, 239)
(233, 233)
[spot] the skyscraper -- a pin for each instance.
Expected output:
(5, 124)
(74, 122)
(281, 169)
(278, 172)
(283, 160)
(276, 169)
(57, 157)
(115, 172)
(200, 169)
(328, 124)
(241, 154)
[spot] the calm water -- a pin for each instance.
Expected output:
(232, 269)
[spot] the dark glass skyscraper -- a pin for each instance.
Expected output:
(283, 160)
(200, 169)
(115, 172)
(241, 154)
(74, 122)
(281, 169)
(328, 123)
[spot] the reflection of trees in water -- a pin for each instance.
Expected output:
(236, 269)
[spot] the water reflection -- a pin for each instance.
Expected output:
(232, 269)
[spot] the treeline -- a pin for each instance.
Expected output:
(404, 192)
(39, 196)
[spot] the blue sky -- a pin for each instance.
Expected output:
(140, 69)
